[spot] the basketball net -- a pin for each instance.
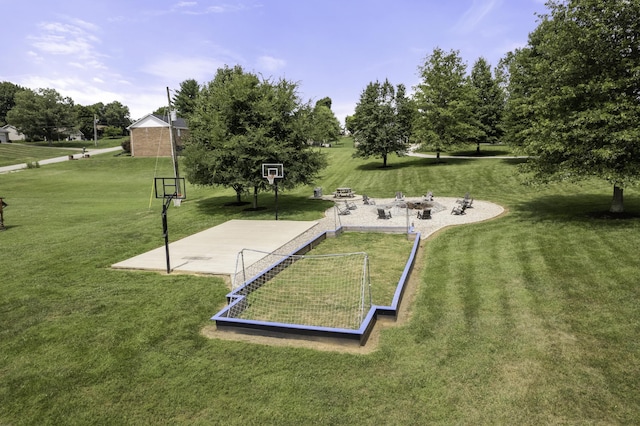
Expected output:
(271, 179)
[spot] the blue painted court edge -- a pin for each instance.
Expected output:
(224, 323)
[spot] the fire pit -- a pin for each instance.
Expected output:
(419, 205)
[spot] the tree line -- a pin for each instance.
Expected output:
(44, 114)
(239, 121)
(569, 100)
(448, 108)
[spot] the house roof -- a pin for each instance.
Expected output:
(154, 120)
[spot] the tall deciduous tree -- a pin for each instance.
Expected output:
(444, 99)
(185, 98)
(44, 114)
(349, 124)
(489, 104)
(325, 127)
(576, 86)
(382, 121)
(84, 119)
(117, 115)
(7, 99)
(326, 101)
(241, 122)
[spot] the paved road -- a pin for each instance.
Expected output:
(90, 151)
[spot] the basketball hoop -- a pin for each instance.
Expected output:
(273, 171)
(271, 178)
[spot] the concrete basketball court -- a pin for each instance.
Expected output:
(214, 251)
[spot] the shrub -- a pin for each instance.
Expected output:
(126, 145)
(112, 132)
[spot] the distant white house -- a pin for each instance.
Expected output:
(75, 135)
(13, 133)
(4, 136)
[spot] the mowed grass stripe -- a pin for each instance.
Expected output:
(14, 153)
(531, 318)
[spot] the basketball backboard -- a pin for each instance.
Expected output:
(170, 187)
(274, 169)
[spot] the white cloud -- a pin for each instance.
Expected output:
(191, 8)
(342, 109)
(475, 14)
(67, 39)
(179, 68)
(84, 24)
(139, 100)
(271, 64)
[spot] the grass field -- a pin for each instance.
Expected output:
(14, 153)
(532, 318)
(31, 152)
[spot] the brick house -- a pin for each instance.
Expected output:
(150, 136)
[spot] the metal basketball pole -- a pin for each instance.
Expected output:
(165, 232)
(172, 189)
(276, 186)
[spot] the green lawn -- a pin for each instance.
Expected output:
(532, 318)
(30, 152)
(15, 153)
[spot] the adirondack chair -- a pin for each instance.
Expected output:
(467, 201)
(383, 214)
(424, 214)
(459, 209)
(367, 201)
(343, 210)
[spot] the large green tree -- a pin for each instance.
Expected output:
(7, 99)
(42, 114)
(382, 121)
(84, 119)
(116, 115)
(489, 103)
(240, 122)
(325, 127)
(574, 94)
(185, 98)
(445, 99)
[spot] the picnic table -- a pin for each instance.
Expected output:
(343, 192)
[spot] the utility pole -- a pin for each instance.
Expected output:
(95, 130)
(174, 153)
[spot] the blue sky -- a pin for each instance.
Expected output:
(132, 50)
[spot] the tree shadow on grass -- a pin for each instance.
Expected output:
(428, 161)
(576, 207)
(412, 162)
(481, 154)
(222, 205)
(289, 205)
